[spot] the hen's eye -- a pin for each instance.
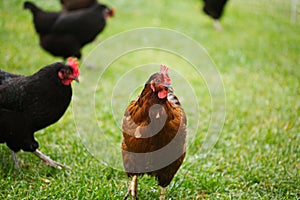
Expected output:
(157, 81)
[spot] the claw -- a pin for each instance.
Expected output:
(132, 189)
(162, 193)
(49, 161)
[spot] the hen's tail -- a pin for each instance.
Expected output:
(31, 6)
(5, 76)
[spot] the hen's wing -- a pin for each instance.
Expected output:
(78, 20)
(45, 21)
(63, 45)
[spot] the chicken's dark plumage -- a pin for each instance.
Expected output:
(64, 33)
(154, 133)
(77, 4)
(6, 76)
(31, 103)
(214, 9)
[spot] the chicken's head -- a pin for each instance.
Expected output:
(70, 72)
(109, 12)
(160, 82)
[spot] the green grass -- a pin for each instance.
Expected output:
(257, 155)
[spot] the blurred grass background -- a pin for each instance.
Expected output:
(258, 153)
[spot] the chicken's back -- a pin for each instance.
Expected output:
(83, 24)
(6, 76)
(76, 4)
(43, 20)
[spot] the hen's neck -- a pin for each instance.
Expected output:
(149, 98)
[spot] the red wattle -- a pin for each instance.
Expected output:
(162, 94)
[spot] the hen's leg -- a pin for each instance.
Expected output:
(162, 193)
(132, 188)
(49, 161)
(217, 25)
(14, 155)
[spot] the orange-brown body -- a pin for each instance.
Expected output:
(154, 134)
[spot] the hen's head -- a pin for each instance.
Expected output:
(70, 72)
(108, 12)
(160, 82)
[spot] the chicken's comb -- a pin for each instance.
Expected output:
(74, 63)
(164, 72)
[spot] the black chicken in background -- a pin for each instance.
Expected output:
(214, 9)
(64, 33)
(31, 103)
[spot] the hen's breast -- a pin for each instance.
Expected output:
(47, 111)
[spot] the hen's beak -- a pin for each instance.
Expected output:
(76, 79)
(167, 86)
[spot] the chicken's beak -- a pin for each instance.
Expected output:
(76, 79)
(167, 86)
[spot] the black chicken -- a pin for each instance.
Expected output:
(64, 33)
(214, 9)
(31, 103)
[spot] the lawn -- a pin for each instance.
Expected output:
(240, 88)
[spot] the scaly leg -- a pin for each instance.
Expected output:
(132, 189)
(217, 25)
(162, 193)
(49, 161)
(15, 159)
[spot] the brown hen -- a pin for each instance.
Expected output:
(154, 134)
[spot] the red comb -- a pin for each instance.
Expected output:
(164, 72)
(74, 63)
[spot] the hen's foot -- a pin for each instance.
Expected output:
(132, 189)
(162, 193)
(49, 161)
